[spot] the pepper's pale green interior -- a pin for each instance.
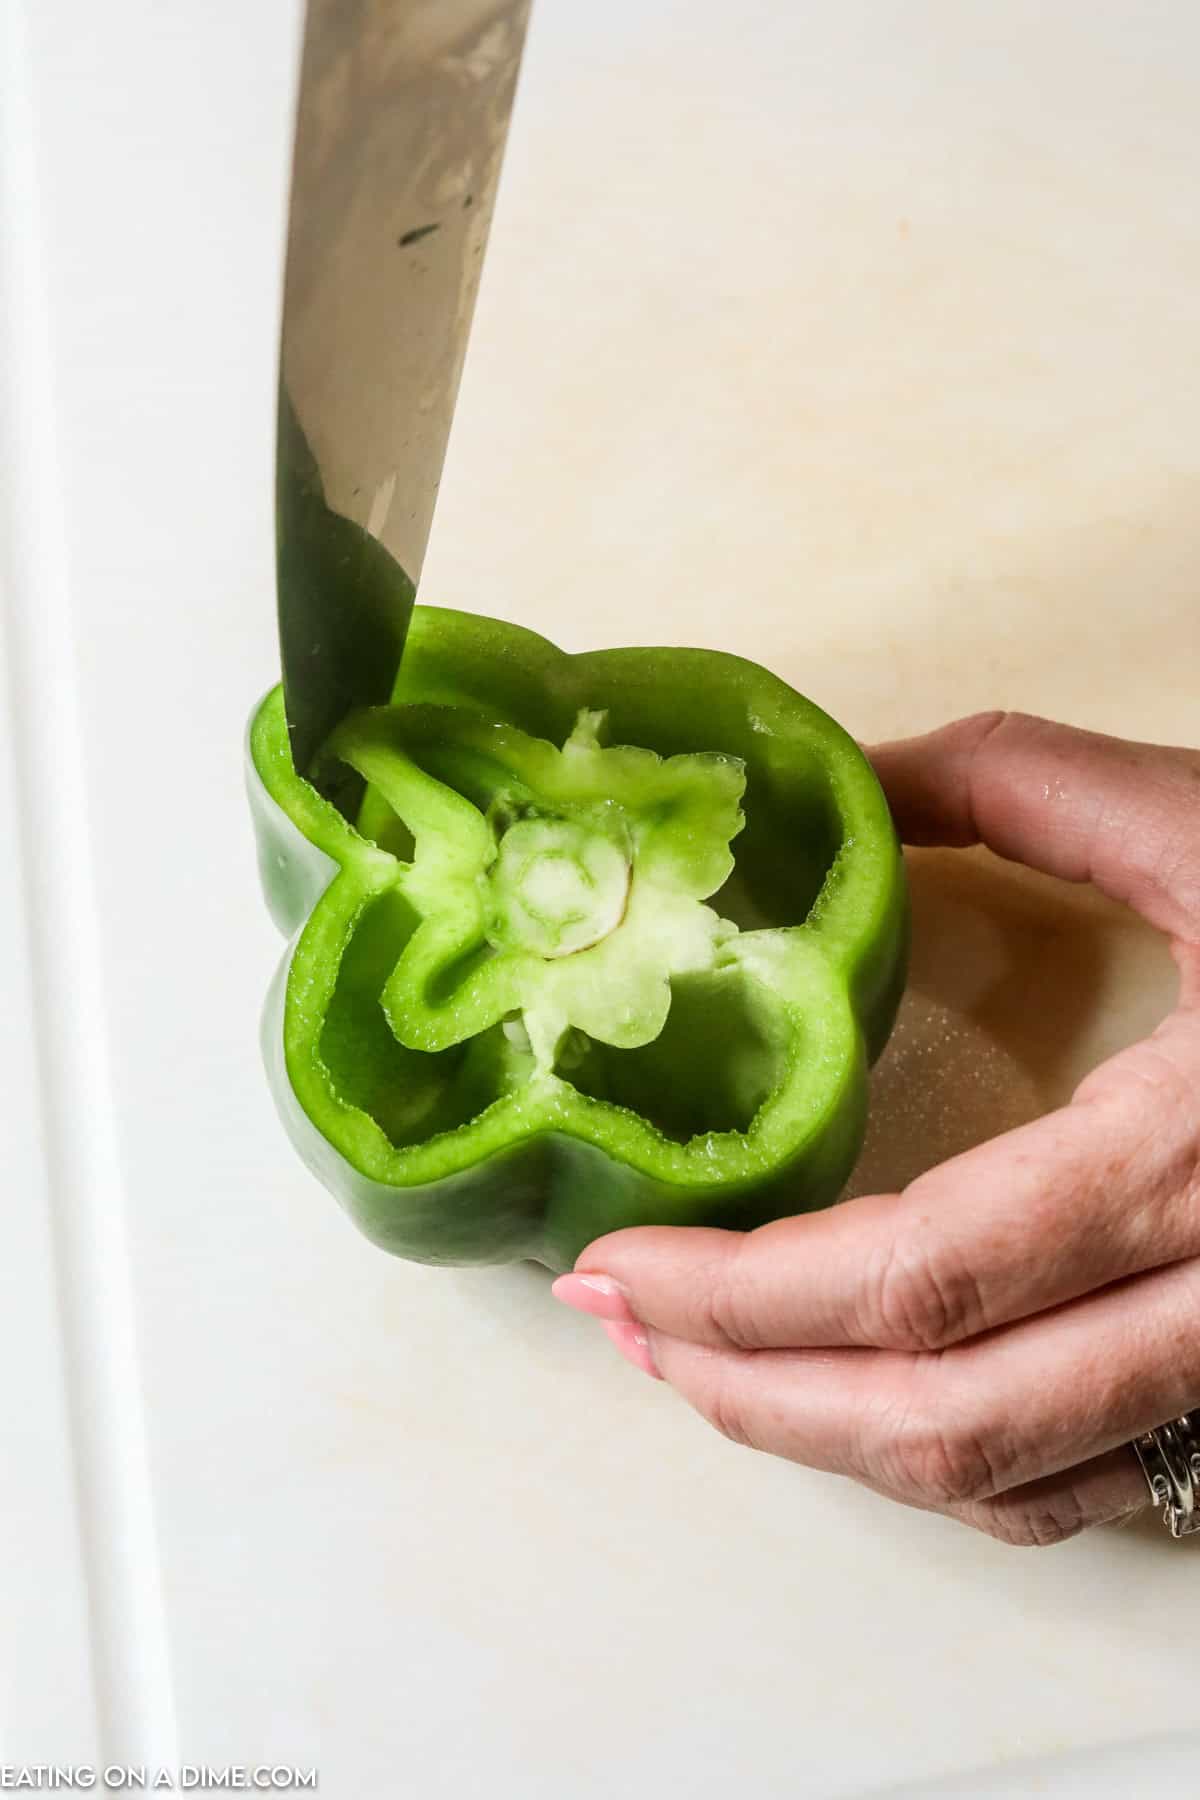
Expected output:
(727, 1041)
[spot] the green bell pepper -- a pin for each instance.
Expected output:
(613, 942)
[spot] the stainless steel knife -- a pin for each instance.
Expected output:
(401, 124)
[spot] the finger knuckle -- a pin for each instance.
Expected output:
(977, 727)
(1033, 1524)
(1164, 1160)
(945, 1465)
(922, 1301)
(729, 1303)
(724, 1404)
(1173, 865)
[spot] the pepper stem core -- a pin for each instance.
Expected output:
(557, 886)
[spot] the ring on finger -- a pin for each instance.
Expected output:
(1170, 1459)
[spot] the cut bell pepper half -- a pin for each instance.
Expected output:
(612, 941)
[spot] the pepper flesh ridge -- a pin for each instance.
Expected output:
(679, 1066)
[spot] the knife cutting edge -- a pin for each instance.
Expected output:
(401, 124)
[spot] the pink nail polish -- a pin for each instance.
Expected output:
(634, 1344)
(597, 1295)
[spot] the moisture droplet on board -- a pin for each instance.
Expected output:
(943, 1085)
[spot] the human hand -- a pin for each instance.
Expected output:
(986, 1343)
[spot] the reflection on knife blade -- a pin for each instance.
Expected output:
(403, 113)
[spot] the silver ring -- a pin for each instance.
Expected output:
(1170, 1459)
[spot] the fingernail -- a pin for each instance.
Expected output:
(634, 1344)
(597, 1295)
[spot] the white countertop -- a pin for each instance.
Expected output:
(859, 339)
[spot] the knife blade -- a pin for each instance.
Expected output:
(401, 123)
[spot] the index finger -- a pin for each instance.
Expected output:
(1076, 804)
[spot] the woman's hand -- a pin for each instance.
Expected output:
(987, 1342)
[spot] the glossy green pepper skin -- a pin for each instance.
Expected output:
(467, 1040)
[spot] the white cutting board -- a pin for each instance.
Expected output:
(859, 339)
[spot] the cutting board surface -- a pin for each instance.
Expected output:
(857, 339)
